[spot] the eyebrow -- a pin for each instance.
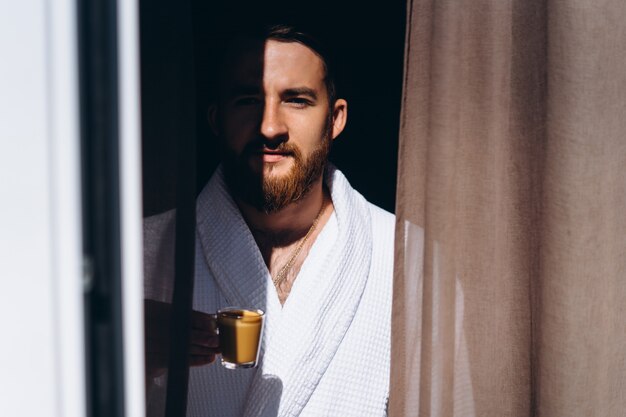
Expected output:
(301, 91)
(250, 90)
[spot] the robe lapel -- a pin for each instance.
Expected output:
(229, 249)
(301, 345)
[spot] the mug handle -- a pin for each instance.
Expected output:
(214, 325)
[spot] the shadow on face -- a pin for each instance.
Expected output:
(273, 121)
(179, 66)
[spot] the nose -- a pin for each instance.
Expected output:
(273, 125)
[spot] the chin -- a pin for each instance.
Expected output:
(257, 166)
(278, 169)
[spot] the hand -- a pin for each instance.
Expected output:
(204, 340)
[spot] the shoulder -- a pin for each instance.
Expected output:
(159, 232)
(383, 222)
(383, 240)
(159, 237)
(159, 222)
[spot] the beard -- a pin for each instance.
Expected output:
(271, 193)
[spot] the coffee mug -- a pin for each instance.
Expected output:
(240, 332)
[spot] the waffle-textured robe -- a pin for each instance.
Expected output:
(325, 352)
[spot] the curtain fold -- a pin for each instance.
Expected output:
(511, 210)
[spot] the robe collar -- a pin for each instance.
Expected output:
(301, 340)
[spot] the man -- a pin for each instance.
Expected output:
(280, 230)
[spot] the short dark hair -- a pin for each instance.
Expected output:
(287, 33)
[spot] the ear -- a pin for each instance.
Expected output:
(340, 116)
(212, 116)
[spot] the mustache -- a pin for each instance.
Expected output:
(261, 145)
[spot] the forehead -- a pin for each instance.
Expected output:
(272, 64)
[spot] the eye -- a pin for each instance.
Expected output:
(299, 102)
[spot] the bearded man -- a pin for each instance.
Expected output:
(281, 230)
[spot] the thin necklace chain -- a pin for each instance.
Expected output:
(282, 274)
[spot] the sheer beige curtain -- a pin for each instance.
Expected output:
(510, 284)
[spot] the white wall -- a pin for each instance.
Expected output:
(42, 369)
(41, 354)
(131, 211)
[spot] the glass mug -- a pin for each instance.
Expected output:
(240, 332)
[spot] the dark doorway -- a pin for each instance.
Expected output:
(179, 45)
(178, 54)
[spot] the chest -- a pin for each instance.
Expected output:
(348, 387)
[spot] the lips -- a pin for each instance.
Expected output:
(273, 156)
(270, 156)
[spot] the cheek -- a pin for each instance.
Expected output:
(239, 128)
(312, 130)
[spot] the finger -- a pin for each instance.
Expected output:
(204, 338)
(157, 349)
(203, 321)
(202, 350)
(201, 360)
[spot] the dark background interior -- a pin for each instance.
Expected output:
(178, 46)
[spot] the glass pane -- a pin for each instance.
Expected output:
(181, 46)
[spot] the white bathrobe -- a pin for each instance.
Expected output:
(325, 351)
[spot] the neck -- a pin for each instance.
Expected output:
(289, 223)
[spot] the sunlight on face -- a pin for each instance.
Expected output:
(274, 123)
